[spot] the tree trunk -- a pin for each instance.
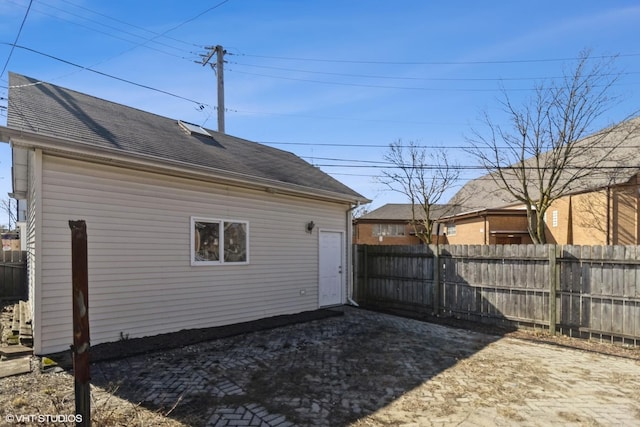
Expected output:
(540, 228)
(532, 225)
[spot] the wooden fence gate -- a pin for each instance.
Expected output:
(585, 291)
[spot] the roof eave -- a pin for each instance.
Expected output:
(483, 212)
(83, 150)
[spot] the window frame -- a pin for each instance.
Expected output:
(387, 226)
(222, 241)
(450, 228)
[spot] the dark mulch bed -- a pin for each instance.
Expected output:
(135, 346)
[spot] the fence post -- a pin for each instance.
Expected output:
(365, 273)
(355, 292)
(436, 280)
(80, 294)
(554, 278)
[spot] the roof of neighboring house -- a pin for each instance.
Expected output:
(402, 212)
(623, 163)
(92, 123)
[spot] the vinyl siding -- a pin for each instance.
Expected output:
(34, 168)
(140, 278)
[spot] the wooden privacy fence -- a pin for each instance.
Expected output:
(13, 275)
(583, 291)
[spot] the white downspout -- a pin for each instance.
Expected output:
(349, 251)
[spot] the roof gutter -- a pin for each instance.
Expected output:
(81, 150)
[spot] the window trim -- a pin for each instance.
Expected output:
(396, 226)
(451, 227)
(221, 227)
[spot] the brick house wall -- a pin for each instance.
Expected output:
(363, 235)
(587, 218)
(489, 227)
(590, 218)
(625, 214)
(469, 231)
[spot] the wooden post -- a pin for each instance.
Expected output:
(80, 294)
(365, 276)
(554, 275)
(354, 272)
(437, 294)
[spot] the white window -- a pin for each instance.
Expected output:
(451, 229)
(388, 229)
(554, 218)
(217, 241)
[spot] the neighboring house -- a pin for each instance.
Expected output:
(487, 227)
(600, 209)
(187, 227)
(391, 225)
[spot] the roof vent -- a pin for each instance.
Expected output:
(194, 129)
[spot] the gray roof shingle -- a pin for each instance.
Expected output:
(402, 212)
(51, 110)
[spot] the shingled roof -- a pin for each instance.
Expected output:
(620, 165)
(52, 111)
(402, 212)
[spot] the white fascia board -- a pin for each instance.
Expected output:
(73, 149)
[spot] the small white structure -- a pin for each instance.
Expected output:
(187, 227)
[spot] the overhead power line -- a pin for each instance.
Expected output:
(438, 79)
(506, 61)
(118, 33)
(110, 75)
(427, 146)
(413, 88)
(129, 24)
(110, 27)
(475, 167)
(16, 40)
(379, 86)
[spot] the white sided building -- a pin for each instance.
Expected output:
(187, 227)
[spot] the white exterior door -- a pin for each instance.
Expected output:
(330, 268)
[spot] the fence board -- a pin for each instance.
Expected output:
(13, 275)
(598, 293)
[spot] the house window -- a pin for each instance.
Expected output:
(554, 218)
(388, 230)
(451, 230)
(217, 241)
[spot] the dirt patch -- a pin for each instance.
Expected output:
(53, 394)
(593, 346)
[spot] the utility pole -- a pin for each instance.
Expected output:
(218, 67)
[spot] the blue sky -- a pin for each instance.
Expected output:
(332, 81)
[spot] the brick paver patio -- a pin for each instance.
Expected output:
(371, 369)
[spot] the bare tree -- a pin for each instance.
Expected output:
(360, 211)
(8, 209)
(424, 176)
(547, 150)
